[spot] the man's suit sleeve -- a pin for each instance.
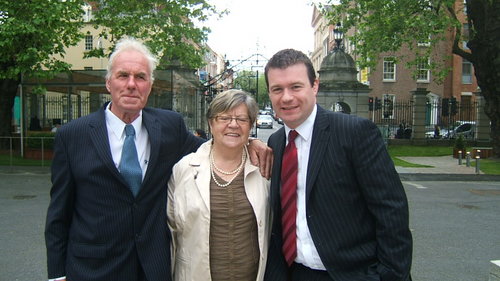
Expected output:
(386, 201)
(276, 268)
(60, 210)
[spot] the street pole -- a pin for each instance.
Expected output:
(257, 89)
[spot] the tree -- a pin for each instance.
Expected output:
(34, 33)
(31, 33)
(167, 27)
(388, 25)
(247, 81)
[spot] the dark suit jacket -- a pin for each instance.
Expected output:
(95, 228)
(357, 211)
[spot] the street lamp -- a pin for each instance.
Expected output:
(338, 36)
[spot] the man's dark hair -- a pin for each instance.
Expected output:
(288, 57)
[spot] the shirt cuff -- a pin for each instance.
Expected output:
(58, 279)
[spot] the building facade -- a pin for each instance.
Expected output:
(393, 81)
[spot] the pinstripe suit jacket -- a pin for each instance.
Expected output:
(95, 228)
(356, 207)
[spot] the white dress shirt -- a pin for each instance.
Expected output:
(307, 254)
(116, 136)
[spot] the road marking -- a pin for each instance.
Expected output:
(419, 186)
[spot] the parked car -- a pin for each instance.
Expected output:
(265, 121)
(466, 129)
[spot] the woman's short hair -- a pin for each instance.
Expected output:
(230, 99)
(132, 44)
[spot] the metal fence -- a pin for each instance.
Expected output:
(396, 119)
(54, 108)
(37, 151)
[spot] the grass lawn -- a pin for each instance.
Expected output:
(19, 161)
(412, 150)
(487, 166)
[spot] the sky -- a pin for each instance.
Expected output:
(260, 27)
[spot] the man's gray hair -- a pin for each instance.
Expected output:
(132, 44)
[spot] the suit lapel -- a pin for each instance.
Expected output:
(154, 132)
(319, 144)
(99, 136)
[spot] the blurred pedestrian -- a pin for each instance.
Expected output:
(200, 133)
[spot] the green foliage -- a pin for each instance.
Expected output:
(387, 26)
(35, 140)
(167, 27)
(459, 143)
(36, 33)
(33, 32)
(247, 81)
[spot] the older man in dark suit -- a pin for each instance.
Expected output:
(107, 215)
(340, 210)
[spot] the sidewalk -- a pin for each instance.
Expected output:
(444, 168)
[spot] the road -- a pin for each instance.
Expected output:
(455, 226)
(263, 134)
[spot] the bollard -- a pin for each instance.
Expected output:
(460, 157)
(477, 164)
(467, 159)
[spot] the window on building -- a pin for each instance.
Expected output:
(389, 71)
(423, 72)
(465, 35)
(325, 47)
(89, 42)
(466, 72)
(87, 10)
(425, 43)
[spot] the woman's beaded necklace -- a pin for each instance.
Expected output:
(234, 172)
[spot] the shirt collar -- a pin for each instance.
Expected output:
(305, 129)
(118, 126)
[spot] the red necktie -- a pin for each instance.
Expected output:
(289, 198)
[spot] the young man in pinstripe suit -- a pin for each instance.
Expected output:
(351, 209)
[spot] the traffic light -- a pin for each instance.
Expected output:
(453, 106)
(445, 108)
(370, 103)
(378, 103)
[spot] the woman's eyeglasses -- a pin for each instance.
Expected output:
(225, 119)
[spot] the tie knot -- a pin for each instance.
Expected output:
(129, 130)
(292, 135)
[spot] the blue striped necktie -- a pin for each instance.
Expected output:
(129, 164)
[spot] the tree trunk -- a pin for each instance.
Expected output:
(484, 44)
(8, 90)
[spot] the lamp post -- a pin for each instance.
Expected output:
(338, 36)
